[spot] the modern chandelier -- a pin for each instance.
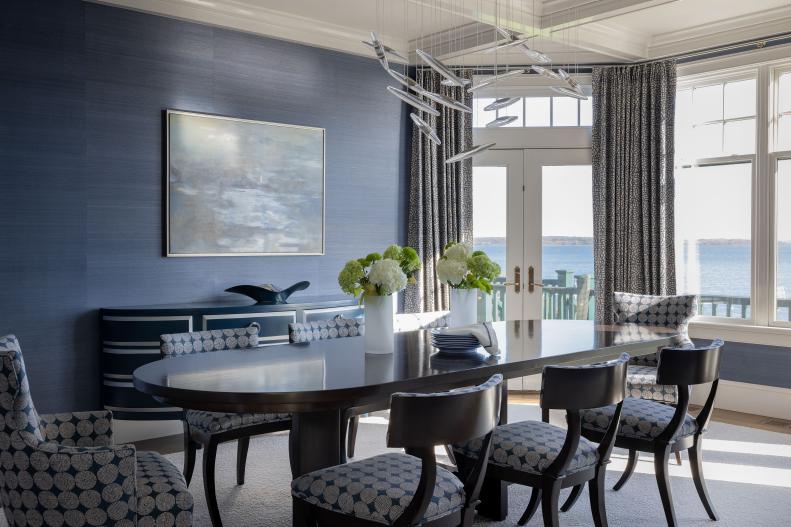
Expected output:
(505, 38)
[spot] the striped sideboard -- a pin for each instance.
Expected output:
(130, 338)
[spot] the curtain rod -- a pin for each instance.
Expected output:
(681, 58)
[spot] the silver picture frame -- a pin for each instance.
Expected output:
(169, 251)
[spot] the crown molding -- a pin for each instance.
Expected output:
(262, 21)
(737, 29)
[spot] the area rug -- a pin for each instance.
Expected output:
(748, 473)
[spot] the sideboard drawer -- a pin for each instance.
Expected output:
(274, 324)
(140, 330)
(326, 313)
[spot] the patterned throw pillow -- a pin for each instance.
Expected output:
(333, 328)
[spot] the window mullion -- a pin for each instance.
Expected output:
(763, 207)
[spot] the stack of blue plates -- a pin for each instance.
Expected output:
(454, 344)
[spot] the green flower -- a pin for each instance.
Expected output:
(371, 258)
(350, 276)
(482, 267)
(393, 253)
(410, 261)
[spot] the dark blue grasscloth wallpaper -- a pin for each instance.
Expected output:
(82, 89)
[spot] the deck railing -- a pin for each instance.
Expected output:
(571, 297)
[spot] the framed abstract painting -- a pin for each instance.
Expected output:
(238, 187)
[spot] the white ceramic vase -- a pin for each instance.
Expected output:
(463, 307)
(379, 314)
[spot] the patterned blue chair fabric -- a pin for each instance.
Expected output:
(175, 344)
(531, 446)
(650, 310)
(178, 344)
(63, 469)
(640, 419)
(334, 328)
(380, 488)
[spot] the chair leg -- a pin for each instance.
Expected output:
(300, 514)
(696, 461)
(630, 466)
(596, 492)
(351, 439)
(661, 458)
(549, 505)
(576, 491)
(209, 458)
(678, 458)
(242, 446)
(532, 506)
(189, 454)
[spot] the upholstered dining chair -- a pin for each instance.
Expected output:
(664, 311)
(207, 430)
(64, 469)
(407, 489)
(336, 327)
(660, 429)
(548, 458)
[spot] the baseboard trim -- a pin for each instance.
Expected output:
(126, 431)
(755, 399)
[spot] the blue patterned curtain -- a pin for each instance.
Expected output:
(633, 186)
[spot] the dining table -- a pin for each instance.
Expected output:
(319, 382)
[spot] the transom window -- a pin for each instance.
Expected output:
(542, 111)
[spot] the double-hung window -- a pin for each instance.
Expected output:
(733, 194)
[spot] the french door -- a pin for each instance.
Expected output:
(533, 214)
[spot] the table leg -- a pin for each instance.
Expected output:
(494, 493)
(316, 441)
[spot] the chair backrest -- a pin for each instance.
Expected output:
(177, 344)
(652, 310)
(334, 328)
(583, 387)
(444, 418)
(415, 321)
(419, 421)
(688, 366)
(576, 388)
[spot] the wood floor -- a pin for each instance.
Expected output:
(770, 424)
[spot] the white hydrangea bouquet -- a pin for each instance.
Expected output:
(462, 268)
(375, 279)
(380, 274)
(466, 272)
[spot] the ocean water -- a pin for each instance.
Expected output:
(724, 269)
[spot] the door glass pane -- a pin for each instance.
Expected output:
(489, 214)
(564, 111)
(713, 237)
(567, 242)
(537, 112)
(783, 240)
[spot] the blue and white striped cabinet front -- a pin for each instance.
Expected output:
(130, 338)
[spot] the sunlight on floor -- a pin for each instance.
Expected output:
(745, 447)
(729, 472)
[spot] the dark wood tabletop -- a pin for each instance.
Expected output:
(337, 373)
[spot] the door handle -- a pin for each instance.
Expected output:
(531, 282)
(517, 283)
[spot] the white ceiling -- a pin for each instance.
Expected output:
(570, 31)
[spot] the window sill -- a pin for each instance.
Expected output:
(742, 332)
